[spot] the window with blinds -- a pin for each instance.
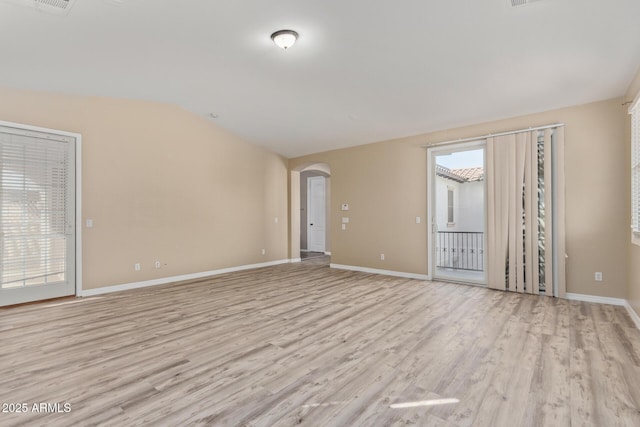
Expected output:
(635, 168)
(36, 208)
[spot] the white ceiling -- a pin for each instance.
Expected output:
(362, 70)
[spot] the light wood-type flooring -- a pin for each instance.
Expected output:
(301, 344)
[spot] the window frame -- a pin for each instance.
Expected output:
(634, 111)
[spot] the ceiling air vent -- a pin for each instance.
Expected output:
(56, 7)
(517, 3)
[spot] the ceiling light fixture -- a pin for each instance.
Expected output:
(284, 38)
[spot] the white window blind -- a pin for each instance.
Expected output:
(36, 208)
(635, 167)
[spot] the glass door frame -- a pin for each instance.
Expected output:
(76, 164)
(432, 153)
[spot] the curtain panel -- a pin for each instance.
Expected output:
(521, 190)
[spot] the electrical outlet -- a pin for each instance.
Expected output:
(136, 266)
(264, 252)
(381, 257)
(598, 276)
(158, 264)
(417, 220)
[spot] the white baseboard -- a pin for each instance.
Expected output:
(304, 250)
(607, 300)
(383, 272)
(165, 280)
(295, 260)
(327, 253)
(634, 316)
(595, 298)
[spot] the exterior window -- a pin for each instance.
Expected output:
(450, 218)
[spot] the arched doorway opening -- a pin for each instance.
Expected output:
(310, 210)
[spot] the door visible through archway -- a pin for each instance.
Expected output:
(316, 214)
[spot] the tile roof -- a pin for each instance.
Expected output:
(461, 175)
(470, 174)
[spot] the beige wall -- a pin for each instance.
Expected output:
(385, 185)
(163, 184)
(633, 291)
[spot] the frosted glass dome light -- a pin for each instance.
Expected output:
(284, 38)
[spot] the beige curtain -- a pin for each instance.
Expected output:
(520, 202)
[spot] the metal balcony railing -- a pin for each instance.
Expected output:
(460, 250)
